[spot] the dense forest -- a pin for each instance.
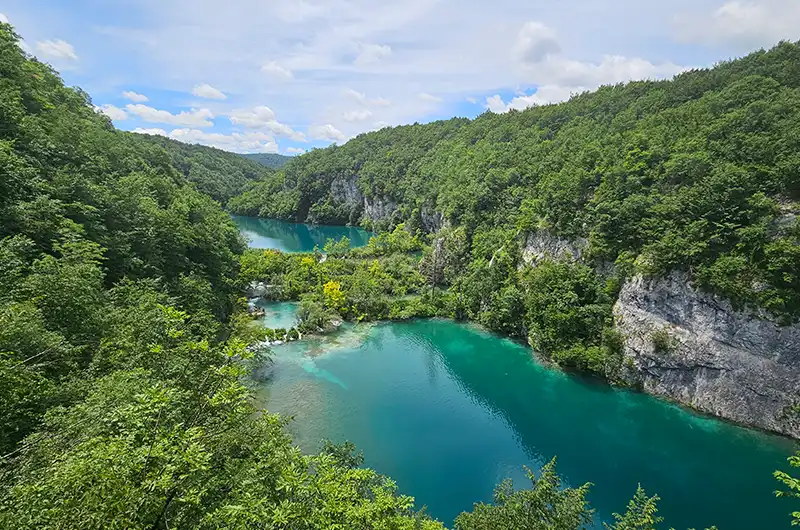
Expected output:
(699, 173)
(124, 353)
(271, 160)
(216, 173)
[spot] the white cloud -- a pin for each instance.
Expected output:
(208, 92)
(249, 142)
(155, 132)
(277, 72)
(236, 142)
(56, 49)
(394, 50)
(295, 150)
(424, 96)
(298, 10)
(357, 115)
(362, 98)
(326, 132)
(254, 119)
(135, 96)
(263, 117)
(113, 112)
(3, 18)
(192, 118)
(535, 42)
(370, 54)
(496, 104)
(544, 95)
(744, 24)
(472, 100)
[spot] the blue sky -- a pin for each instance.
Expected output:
(270, 76)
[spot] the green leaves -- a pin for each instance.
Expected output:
(545, 506)
(792, 485)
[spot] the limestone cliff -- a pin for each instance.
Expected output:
(346, 191)
(695, 348)
(542, 244)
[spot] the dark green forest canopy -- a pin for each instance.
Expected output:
(699, 173)
(271, 160)
(216, 173)
(123, 359)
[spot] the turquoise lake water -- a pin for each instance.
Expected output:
(278, 314)
(295, 237)
(448, 411)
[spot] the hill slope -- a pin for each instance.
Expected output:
(271, 160)
(215, 172)
(699, 173)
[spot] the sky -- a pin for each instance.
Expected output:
(287, 76)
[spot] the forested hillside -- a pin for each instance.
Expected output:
(271, 160)
(123, 359)
(122, 367)
(699, 173)
(216, 173)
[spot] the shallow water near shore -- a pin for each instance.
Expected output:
(448, 411)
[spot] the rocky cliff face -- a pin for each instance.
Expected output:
(696, 349)
(345, 191)
(541, 245)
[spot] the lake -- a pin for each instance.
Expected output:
(448, 410)
(295, 237)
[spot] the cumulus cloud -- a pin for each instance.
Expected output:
(135, 96)
(3, 18)
(424, 96)
(369, 54)
(362, 98)
(113, 112)
(208, 92)
(357, 115)
(535, 42)
(56, 49)
(153, 131)
(326, 132)
(541, 62)
(250, 142)
(192, 118)
(277, 72)
(544, 95)
(295, 150)
(256, 118)
(744, 24)
(263, 117)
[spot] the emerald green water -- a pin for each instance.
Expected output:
(295, 237)
(448, 411)
(278, 314)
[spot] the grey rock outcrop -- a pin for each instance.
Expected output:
(542, 244)
(379, 208)
(431, 220)
(695, 348)
(344, 190)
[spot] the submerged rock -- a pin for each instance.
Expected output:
(695, 348)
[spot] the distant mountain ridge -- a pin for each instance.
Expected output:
(271, 160)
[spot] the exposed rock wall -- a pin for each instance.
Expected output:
(541, 244)
(694, 348)
(344, 190)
